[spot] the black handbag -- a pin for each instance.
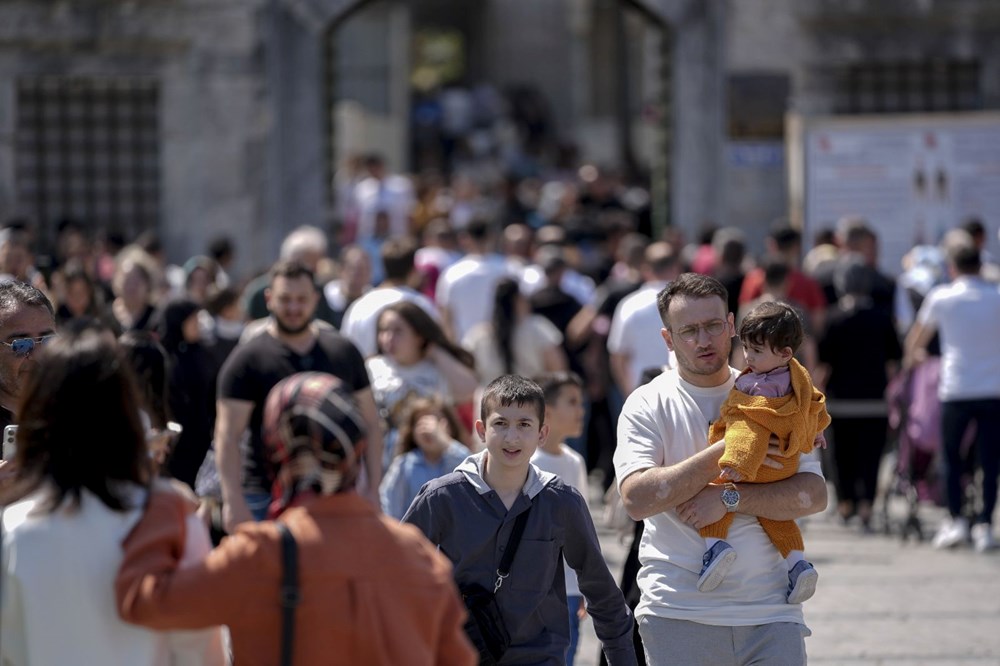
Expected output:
(289, 591)
(485, 626)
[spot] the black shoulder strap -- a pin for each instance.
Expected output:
(289, 591)
(508, 554)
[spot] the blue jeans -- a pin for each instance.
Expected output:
(574, 628)
(258, 504)
(956, 415)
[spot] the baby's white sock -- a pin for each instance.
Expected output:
(711, 541)
(794, 558)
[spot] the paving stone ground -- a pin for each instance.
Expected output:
(881, 601)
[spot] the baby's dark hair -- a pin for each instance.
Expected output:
(774, 324)
(552, 384)
(508, 390)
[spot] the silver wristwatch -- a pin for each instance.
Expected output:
(731, 497)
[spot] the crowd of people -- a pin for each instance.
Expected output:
(461, 364)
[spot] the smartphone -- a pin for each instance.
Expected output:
(8, 447)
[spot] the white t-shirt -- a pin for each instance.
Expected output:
(663, 423)
(466, 289)
(967, 314)
(532, 336)
(393, 383)
(393, 195)
(570, 467)
(361, 319)
(635, 330)
(577, 285)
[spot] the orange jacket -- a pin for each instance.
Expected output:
(748, 422)
(372, 591)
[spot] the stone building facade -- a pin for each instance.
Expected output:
(227, 112)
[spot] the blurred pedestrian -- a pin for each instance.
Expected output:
(860, 353)
(965, 312)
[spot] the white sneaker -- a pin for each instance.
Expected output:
(982, 537)
(951, 533)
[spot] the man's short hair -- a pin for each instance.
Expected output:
(975, 228)
(478, 229)
(301, 240)
(14, 294)
(775, 272)
(552, 384)
(290, 270)
(774, 324)
(965, 258)
(689, 285)
(660, 257)
(508, 390)
(785, 237)
(397, 258)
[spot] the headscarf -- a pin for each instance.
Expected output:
(314, 439)
(170, 322)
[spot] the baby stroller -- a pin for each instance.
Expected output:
(915, 429)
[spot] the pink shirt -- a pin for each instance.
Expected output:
(773, 384)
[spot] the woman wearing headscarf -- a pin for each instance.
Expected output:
(370, 591)
(191, 390)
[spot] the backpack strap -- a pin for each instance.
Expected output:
(289, 591)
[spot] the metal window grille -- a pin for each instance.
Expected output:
(89, 148)
(910, 87)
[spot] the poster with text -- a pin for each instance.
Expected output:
(911, 177)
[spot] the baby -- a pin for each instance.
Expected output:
(773, 396)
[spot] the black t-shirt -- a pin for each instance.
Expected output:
(857, 344)
(254, 368)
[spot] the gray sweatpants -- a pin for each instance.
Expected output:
(667, 641)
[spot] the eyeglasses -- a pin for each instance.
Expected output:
(713, 328)
(24, 346)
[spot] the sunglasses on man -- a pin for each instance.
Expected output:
(24, 346)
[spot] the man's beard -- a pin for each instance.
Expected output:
(288, 330)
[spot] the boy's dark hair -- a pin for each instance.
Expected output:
(552, 384)
(507, 390)
(689, 285)
(397, 258)
(774, 324)
(290, 269)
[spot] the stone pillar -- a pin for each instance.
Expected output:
(699, 108)
(297, 153)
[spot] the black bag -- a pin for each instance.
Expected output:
(485, 626)
(289, 591)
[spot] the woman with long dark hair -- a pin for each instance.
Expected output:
(415, 359)
(83, 477)
(515, 341)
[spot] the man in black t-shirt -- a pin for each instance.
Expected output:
(291, 342)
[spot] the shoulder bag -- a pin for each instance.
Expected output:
(485, 626)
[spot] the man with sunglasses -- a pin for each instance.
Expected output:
(27, 321)
(666, 468)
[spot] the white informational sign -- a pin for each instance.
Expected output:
(911, 177)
